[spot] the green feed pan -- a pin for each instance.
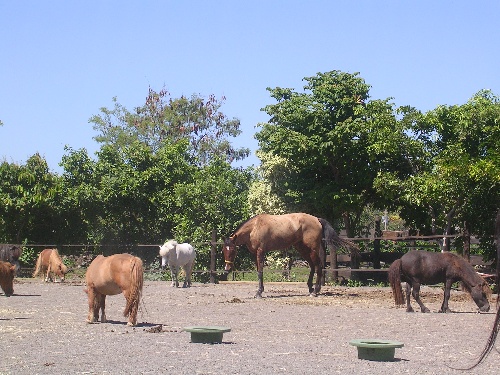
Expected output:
(207, 335)
(376, 350)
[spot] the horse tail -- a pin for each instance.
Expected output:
(394, 275)
(334, 241)
(136, 283)
(38, 266)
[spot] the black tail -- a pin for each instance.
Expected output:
(334, 241)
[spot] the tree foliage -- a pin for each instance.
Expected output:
(337, 140)
(163, 119)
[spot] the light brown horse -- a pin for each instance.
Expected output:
(49, 262)
(119, 273)
(263, 233)
(7, 273)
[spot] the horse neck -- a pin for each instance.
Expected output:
(469, 275)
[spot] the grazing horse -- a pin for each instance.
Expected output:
(423, 267)
(11, 254)
(49, 262)
(263, 233)
(7, 273)
(107, 276)
(178, 255)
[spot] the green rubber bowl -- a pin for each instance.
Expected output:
(207, 334)
(375, 349)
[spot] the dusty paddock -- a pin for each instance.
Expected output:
(43, 331)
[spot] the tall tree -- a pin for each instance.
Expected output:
(458, 186)
(28, 209)
(165, 119)
(337, 141)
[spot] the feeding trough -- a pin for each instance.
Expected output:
(207, 334)
(376, 350)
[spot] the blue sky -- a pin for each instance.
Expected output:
(61, 61)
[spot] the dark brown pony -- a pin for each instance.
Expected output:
(110, 276)
(11, 254)
(7, 273)
(49, 262)
(263, 233)
(425, 267)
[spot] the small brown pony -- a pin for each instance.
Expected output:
(425, 267)
(49, 262)
(7, 273)
(110, 276)
(263, 233)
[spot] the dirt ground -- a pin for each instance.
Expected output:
(43, 331)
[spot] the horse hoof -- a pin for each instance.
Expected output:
(258, 295)
(313, 294)
(130, 324)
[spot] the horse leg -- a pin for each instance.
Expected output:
(94, 302)
(310, 280)
(408, 294)
(173, 274)
(188, 268)
(447, 292)
(319, 279)
(416, 295)
(47, 275)
(102, 303)
(260, 272)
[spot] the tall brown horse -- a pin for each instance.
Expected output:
(113, 275)
(263, 233)
(49, 262)
(7, 273)
(425, 267)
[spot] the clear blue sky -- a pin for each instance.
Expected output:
(61, 61)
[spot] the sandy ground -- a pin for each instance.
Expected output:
(43, 330)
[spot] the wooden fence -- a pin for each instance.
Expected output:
(365, 265)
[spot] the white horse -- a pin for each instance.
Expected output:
(178, 255)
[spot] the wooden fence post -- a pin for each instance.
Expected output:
(213, 251)
(376, 244)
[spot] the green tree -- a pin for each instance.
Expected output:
(28, 195)
(214, 198)
(336, 141)
(164, 119)
(457, 184)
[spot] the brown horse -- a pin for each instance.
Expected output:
(49, 262)
(7, 273)
(110, 276)
(263, 233)
(424, 267)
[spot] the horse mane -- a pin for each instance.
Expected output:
(243, 223)
(56, 258)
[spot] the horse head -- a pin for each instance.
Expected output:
(165, 250)
(479, 294)
(229, 251)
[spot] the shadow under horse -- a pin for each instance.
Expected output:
(263, 233)
(424, 267)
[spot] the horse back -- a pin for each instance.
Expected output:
(429, 267)
(276, 232)
(113, 274)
